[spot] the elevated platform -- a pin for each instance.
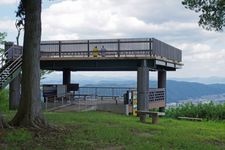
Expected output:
(119, 55)
(133, 54)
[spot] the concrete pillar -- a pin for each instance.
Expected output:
(66, 77)
(162, 84)
(142, 88)
(14, 86)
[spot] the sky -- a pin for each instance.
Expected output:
(167, 20)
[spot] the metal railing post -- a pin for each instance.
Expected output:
(60, 50)
(150, 47)
(118, 52)
(88, 48)
(96, 92)
(46, 103)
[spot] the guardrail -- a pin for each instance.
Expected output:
(102, 95)
(113, 48)
(132, 47)
(155, 94)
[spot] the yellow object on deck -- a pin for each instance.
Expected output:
(95, 52)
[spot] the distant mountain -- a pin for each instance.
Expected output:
(204, 80)
(180, 90)
(176, 90)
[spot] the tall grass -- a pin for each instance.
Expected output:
(4, 100)
(209, 111)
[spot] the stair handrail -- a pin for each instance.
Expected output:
(14, 62)
(3, 79)
(4, 54)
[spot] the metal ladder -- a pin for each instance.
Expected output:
(9, 67)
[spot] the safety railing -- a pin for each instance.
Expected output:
(155, 94)
(10, 62)
(112, 48)
(158, 94)
(127, 53)
(9, 70)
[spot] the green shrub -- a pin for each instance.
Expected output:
(209, 111)
(4, 100)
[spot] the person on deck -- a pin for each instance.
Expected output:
(103, 51)
(95, 51)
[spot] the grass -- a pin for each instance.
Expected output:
(100, 130)
(4, 100)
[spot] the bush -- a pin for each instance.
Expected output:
(4, 100)
(208, 111)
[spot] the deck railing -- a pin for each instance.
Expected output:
(155, 94)
(114, 48)
(140, 47)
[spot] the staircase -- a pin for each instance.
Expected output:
(10, 65)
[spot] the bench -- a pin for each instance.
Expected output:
(190, 118)
(153, 114)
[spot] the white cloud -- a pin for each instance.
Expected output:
(169, 21)
(7, 26)
(108, 18)
(4, 2)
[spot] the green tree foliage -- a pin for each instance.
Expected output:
(4, 100)
(212, 13)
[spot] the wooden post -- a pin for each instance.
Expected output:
(155, 118)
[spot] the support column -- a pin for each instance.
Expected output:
(142, 89)
(66, 77)
(162, 84)
(14, 85)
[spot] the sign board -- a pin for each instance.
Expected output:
(61, 90)
(134, 102)
(50, 90)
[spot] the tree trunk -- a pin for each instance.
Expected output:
(14, 93)
(29, 112)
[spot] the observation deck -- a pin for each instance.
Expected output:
(132, 54)
(119, 55)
